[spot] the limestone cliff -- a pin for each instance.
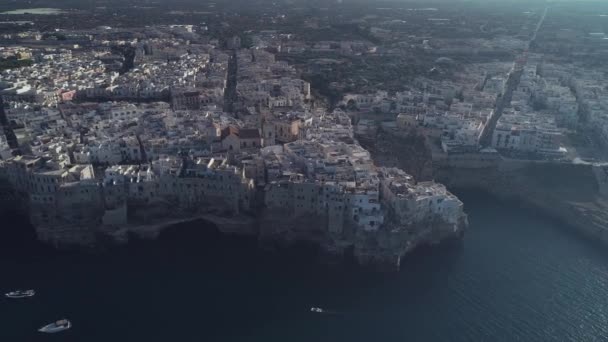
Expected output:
(91, 221)
(387, 248)
(572, 193)
(382, 249)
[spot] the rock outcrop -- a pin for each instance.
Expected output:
(381, 249)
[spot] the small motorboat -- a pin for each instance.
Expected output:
(20, 294)
(55, 327)
(317, 310)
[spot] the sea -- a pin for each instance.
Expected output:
(516, 276)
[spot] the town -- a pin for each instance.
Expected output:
(325, 129)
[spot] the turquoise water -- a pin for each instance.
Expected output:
(515, 277)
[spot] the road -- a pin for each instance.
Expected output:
(538, 26)
(230, 92)
(513, 79)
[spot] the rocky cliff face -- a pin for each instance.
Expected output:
(16, 233)
(572, 193)
(576, 194)
(385, 250)
(382, 249)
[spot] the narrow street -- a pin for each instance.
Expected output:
(11, 138)
(230, 92)
(513, 80)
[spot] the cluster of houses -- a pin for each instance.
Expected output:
(97, 166)
(191, 79)
(544, 106)
(58, 75)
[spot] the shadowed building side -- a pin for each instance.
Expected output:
(11, 138)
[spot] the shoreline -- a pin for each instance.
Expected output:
(573, 226)
(135, 233)
(576, 201)
(387, 257)
(572, 194)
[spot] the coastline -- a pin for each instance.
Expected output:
(571, 194)
(273, 232)
(575, 215)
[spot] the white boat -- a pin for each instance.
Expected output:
(20, 294)
(317, 310)
(55, 327)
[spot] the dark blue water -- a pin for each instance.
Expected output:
(516, 277)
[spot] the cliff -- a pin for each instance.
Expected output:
(381, 249)
(324, 189)
(575, 194)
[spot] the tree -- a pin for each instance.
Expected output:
(352, 105)
(393, 106)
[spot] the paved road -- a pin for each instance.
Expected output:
(539, 25)
(230, 93)
(513, 80)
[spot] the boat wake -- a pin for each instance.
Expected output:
(321, 311)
